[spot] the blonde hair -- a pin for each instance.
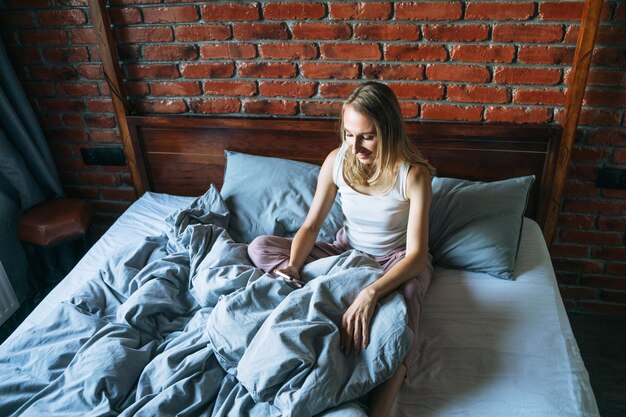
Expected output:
(377, 102)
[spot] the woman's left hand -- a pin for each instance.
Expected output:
(356, 322)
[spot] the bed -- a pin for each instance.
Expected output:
(494, 339)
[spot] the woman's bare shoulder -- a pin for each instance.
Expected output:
(418, 177)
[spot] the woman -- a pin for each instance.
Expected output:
(385, 190)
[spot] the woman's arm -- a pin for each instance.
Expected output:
(322, 202)
(356, 319)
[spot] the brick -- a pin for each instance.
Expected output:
(534, 76)
(193, 33)
(599, 117)
(99, 105)
(477, 94)
(567, 278)
(611, 35)
(141, 71)
(160, 106)
(287, 89)
(613, 193)
(618, 269)
(43, 37)
(612, 223)
(69, 17)
(614, 297)
(431, 111)
(605, 98)
(267, 70)
(179, 88)
(39, 89)
(620, 12)
(504, 32)
(173, 14)
(247, 31)
(499, 11)
(561, 11)
(468, 73)
(577, 292)
(320, 108)
(599, 281)
(360, 11)
(517, 114)
(321, 31)
(455, 33)
(293, 11)
(386, 32)
(350, 51)
(52, 73)
(230, 12)
(288, 50)
(393, 72)
(123, 193)
(144, 34)
(609, 57)
(337, 90)
(578, 265)
(99, 121)
(602, 308)
(409, 110)
(170, 52)
(560, 250)
(620, 157)
(609, 253)
(19, 19)
(62, 104)
(546, 55)
(598, 76)
(67, 134)
(230, 88)
(323, 70)
(78, 36)
(576, 221)
(415, 53)
(535, 96)
(215, 105)
(208, 70)
(594, 206)
(76, 89)
(273, 107)
(71, 54)
(417, 91)
(571, 34)
(228, 50)
(428, 10)
(36, 4)
(483, 53)
(105, 136)
(125, 15)
(597, 238)
(25, 55)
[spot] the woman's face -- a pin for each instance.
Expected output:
(360, 133)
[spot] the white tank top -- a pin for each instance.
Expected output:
(375, 224)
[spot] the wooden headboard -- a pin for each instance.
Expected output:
(184, 155)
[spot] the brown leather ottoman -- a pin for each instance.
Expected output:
(45, 227)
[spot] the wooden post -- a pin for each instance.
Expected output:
(112, 74)
(575, 93)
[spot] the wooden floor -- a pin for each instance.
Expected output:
(602, 344)
(601, 339)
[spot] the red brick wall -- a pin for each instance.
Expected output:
(483, 61)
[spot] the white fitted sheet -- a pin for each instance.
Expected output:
(488, 347)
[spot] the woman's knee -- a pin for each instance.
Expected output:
(259, 246)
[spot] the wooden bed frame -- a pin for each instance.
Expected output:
(182, 155)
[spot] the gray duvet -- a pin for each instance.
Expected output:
(184, 325)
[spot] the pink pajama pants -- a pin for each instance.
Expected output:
(272, 252)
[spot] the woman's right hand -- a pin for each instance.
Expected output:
(290, 270)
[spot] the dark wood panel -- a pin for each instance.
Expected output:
(183, 155)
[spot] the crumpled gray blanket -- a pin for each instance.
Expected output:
(184, 325)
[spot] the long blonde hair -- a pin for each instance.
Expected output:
(377, 102)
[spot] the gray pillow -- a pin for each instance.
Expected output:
(271, 196)
(477, 226)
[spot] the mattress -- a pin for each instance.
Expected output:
(488, 347)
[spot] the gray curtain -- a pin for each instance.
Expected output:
(27, 171)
